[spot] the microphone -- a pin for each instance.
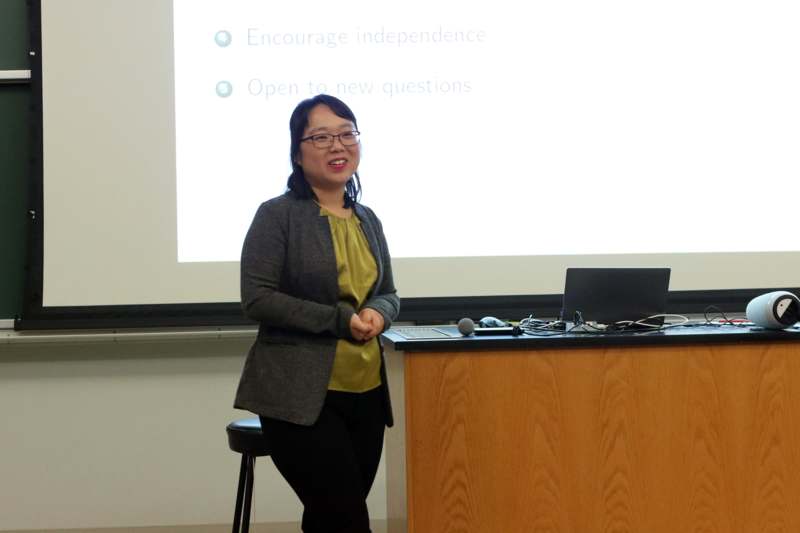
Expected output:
(466, 326)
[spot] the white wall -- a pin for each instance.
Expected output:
(114, 434)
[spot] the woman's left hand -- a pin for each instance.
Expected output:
(375, 321)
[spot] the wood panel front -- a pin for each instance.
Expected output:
(700, 438)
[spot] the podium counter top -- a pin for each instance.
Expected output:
(449, 340)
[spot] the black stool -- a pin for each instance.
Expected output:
(245, 437)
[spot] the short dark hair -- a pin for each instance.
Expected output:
(297, 182)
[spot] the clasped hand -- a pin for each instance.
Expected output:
(365, 325)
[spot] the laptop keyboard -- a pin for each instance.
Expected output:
(421, 333)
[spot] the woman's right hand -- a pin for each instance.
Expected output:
(360, 329)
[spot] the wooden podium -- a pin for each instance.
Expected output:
(681, 432)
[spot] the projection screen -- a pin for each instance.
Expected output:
(501, 142)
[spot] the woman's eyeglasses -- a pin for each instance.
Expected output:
(325, 140)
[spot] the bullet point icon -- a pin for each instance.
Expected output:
(222, 38)
(224, 89)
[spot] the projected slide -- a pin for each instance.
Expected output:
(501, 129)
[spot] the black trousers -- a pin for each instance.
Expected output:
(332, 464)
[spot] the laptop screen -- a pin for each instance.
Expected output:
(609, 295)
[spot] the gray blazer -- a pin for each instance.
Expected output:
(289, 284)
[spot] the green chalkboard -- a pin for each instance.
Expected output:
(15, 153)
(14, 41)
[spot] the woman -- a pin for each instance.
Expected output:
(316, 275)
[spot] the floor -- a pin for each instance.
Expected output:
(378, 526)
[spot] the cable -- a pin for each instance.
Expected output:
(735, 322)
(541, 328)
(622, 325)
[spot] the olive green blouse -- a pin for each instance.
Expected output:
(357, 366)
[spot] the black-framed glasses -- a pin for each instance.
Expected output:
(325, 140)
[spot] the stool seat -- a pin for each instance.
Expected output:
(245, 436)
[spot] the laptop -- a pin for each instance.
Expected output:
(610, 295)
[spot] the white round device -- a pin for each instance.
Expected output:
(774, 310)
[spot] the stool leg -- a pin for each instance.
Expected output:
(237, 516)
(248, 494)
